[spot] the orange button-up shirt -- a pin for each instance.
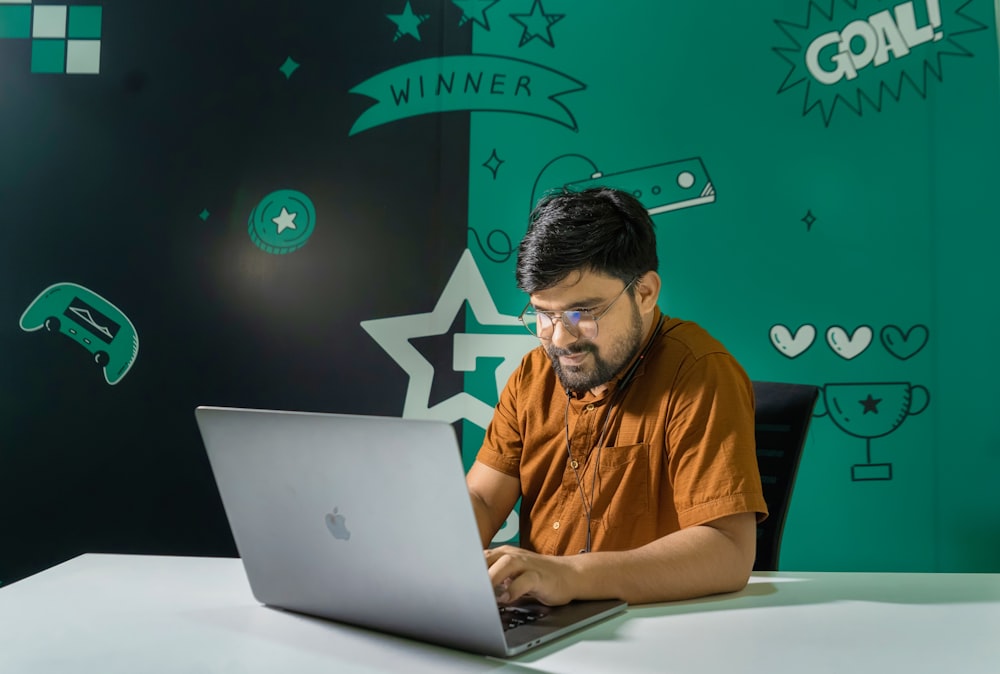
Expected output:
(678, 449)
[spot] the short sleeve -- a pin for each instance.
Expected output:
(712, 460)
(503, 444)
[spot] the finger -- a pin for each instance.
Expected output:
(492, 554)
(500, 591)
(522, 585)
(513, 578)
(501, 568)
(504, 571)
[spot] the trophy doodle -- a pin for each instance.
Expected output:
(871, 410)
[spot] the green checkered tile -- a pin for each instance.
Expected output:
(15, 21)
(48, 56)
(84, 23)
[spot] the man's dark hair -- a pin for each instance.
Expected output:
(599, 229)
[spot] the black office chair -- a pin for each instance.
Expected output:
(781, 422)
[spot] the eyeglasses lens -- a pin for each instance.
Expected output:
(576, 323)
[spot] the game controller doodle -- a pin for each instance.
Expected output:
(89, 320)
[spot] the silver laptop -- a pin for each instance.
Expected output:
(367, 520)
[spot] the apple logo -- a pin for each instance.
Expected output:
(337, 524)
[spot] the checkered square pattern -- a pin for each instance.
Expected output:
(65, 39)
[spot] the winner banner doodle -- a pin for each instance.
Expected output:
(475, 82)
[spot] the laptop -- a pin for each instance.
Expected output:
(367, 520)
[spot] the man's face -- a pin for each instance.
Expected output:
(581, 363)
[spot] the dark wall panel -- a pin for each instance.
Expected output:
(138, 184)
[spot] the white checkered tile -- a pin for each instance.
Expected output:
(49, 22)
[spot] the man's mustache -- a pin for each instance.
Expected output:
(572, 350)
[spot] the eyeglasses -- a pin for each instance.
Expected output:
(577, 322)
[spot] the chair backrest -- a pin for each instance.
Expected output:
(781, 420)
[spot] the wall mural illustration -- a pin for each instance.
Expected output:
(65, 39)
(858, 55)
(661, 188)
(902, 345)
(469, 82)
(466, 287)
(848, 406)
(321, 211)
(89, 320)
(282, 222)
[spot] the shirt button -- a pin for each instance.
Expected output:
(555, 526)
(575, 464)
(590, 407)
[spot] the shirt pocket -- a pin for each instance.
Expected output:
(623, 484)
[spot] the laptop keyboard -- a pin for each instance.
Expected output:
(514, 616)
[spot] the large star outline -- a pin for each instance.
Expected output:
(394, 334)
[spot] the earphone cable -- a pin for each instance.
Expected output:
(619, 392)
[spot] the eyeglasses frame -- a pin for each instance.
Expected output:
(560, 316)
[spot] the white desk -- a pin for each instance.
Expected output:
(120, 614)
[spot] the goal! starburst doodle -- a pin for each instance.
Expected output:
(856, 54)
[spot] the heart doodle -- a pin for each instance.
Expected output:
(791, 345)
(849, 346)
(901, 344)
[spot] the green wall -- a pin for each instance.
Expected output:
(858, 217)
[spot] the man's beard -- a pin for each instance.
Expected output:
(602, 370)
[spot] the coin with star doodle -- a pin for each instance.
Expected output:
(282, 222)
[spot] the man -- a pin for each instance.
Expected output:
(628, 435)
